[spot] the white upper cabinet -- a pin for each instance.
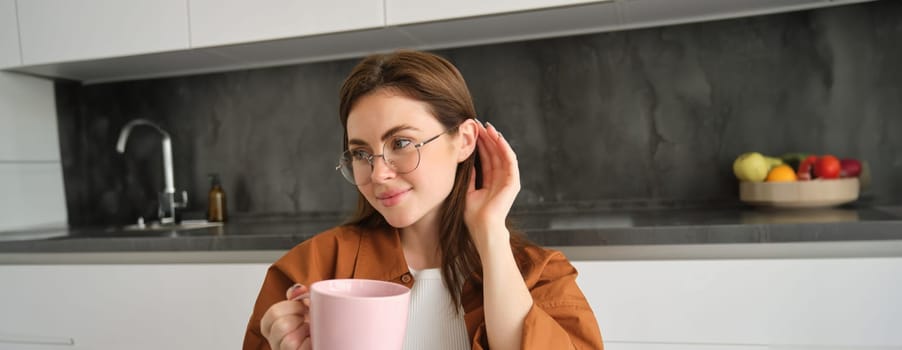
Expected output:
(71, 30)
(652, 13)
(218, 22)
(9, 35)
(399, 12)
(511, 26)
(110, 40)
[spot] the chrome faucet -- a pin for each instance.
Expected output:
(168, 203)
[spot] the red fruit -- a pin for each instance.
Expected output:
(827, 167)
(805, 166)
(849, 167)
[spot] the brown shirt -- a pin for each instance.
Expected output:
(560, 317)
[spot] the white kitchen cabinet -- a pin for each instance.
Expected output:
(508, 26)
(746, 304)
(750, 304)
(398, 12)
(71, 30)
(178, 306)
(28, 129)
(608, 345)
(217, 22)
(33, 196)
(31, 175)
(107, 40)
(652, 13)
(9, 35)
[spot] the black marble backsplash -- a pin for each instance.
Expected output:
(642, 116)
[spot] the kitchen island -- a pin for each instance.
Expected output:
(661, 279)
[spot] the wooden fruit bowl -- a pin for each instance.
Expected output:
(800, 194)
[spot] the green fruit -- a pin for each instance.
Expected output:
(773, 161)
(751, 166)
(794, 159)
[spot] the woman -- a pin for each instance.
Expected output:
(426, 220)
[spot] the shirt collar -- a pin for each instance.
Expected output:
(380, 257)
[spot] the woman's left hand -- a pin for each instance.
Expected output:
(487, 207)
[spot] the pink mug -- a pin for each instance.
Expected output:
(349, 314)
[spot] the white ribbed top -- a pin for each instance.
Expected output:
(432, 322)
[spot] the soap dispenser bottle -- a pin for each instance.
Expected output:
(216, 201)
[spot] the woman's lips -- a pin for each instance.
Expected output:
(391, 198)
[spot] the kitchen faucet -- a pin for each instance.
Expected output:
(168, 203)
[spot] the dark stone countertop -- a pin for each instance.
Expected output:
(547, 228)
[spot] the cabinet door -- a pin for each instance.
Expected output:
(31, 176)
(783, 304)
(68, 30)
(217, 22)
(28, 129)
(9, 35)
(612, 345)
(399, 12)
(190, 306)
(652, 13)
(677, 302)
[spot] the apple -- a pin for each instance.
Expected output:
(751, 166)
(849, 167)
(827, 167)
(804, 171)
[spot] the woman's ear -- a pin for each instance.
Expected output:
(469, 133)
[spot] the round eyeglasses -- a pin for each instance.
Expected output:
(401, 154)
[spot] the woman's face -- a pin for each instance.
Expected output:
(404, 199)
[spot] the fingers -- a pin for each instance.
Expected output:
(296, 291)
(289, 333)
(296, 337)
(485, 155)
(286, 325)
(279, 311)
(492, 147)
(307, 344)
(498, 158)
(507, 153)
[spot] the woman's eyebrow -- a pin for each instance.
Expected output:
(386, 135)
(396, 129)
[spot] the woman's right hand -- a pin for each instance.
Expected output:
(286, 325)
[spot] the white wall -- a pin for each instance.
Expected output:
(31, 175)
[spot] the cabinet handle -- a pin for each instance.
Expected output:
(34, 339)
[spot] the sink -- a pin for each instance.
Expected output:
(184, 225)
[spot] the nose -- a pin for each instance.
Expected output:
(381, 170)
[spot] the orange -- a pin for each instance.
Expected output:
(781, 173)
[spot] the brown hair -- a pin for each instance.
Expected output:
(431, 79)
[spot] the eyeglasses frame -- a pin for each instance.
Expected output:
(371, 157)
